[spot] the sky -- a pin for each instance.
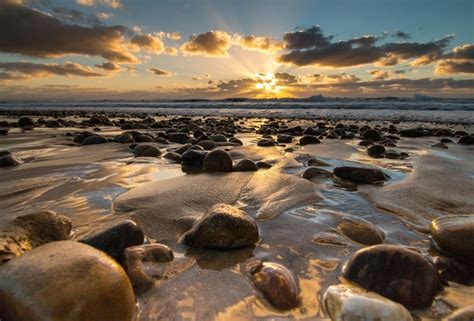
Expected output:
(181, 49)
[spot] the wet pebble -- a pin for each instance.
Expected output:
(245, 165)
(9, 160)
(277, 284)
(360, 174)
(377, 268)
(308, 140)
(361, 231)
(217, 161)
(94, 139)
(146, 150)
(313, 172)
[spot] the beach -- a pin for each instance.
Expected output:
(295, 181)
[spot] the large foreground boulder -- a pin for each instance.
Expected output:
(217, 161)
(223, 226)
(65, 281)
(395, 272)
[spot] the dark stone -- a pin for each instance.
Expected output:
(93, 140)
(124, 138)
(361, 231)
(25, 122)
(360, 174)
(308, 139)
(376, 151)
(146, 151)
(395, 272)
(9, 160)
(143, 139)
(235, 141)
(440, 145)
(466, 140)
(218, 138)
(371, 134)
(115, 239)
(193, 158)
(266, 143)
(217, 161)
(180, 138)
(262, 164)
(312, 172)
(224, 227)
(207, 144)
(413, 132)
(173, 156)
(245, 165)
(284, 139)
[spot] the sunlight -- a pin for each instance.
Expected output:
(268, 84)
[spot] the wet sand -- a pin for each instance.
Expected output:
(98, 185)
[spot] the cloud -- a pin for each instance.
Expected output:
(401, 35)
(33, 33)
(160, 72)
(460, 60)
(211, 43)
(104, 15)
(333, 79)
(75, 16)
(171, 51)
(310, 47)
(109, 66)
(284, 79)
(115, 4)
(261, 43)
(148, 42)
(173, 35)
(28, 70)
(306, 38)
(378, 74)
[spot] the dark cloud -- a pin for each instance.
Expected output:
(27, 70)
(401, 35)
(75, 16)
(284, 79)
(211, 43)
(460, 60)
(306, 38)
(148, 42)
(109, 66)
(160, 72)
(32, 33)
(311, 47)
(378, 74)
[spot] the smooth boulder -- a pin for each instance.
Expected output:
(361, 231)
(146, 150)
(308, 140)
(378, 268)
(65, 281)
(245, 165)
(223, 226)
(346, 303)
(94, 140)
(454, 235)
(217, 161)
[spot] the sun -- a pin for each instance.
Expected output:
(268, 84)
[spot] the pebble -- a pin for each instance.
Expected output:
(361, 231)
(146, 151)
(360, 174)
(308, 140)
(245, 165)
(217, 161)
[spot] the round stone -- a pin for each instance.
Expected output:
(65, 280)
(378, 268)
(95, 139)
(245, 165)
(217, 161)
(146, 151)
(361, 231)
(360, 174)
(454, 234)
(308, 140)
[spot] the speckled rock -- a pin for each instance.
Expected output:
(277, 284)
(377, 268)
(345, 303)
(65, 280)
(223, 226)
(454, 234)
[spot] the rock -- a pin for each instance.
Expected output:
(376, 151)
(217, 161)
(9, 160)
(284, 139)
(316, 162)
(175, 157)
(146, 151)
(142, 138)
(65, 280)
(277, 284)
(219, 138)
(207, 144)
(262, 164)
(464, 314)
(183, 148)
(25, 122)
(378, 268)
(309, 139)
(193, 158)
(53, 124)
(412, 132)
(361, 231)
(312, 172)
(235, 141)
(4, 132)
(124, 138)
(180, 138)
(115, 239)
(345, 303)
(360, 174)
(466, 140)
(95, 139)
(245, 165)
(329, 238)
(450, 269)
(391, 154)
(266, 143)
(223, 226)
(133, 262)
(453, 234)
(371, 134)
(440, 145)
